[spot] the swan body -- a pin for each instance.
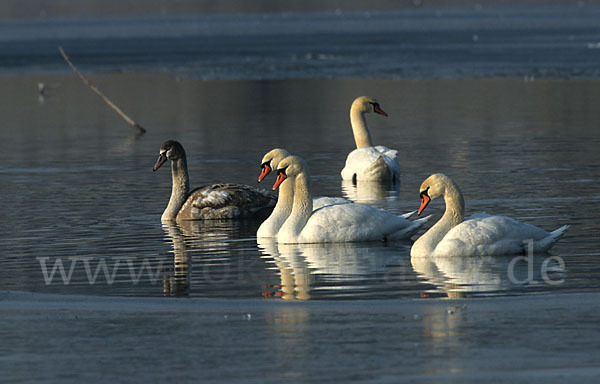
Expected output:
(368, 162)
(217, 201)
(337, 222)
(372, 163)
(283, 208)
(478, 235)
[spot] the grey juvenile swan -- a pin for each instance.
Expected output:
(217, 201)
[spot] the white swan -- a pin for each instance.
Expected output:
(367, 162)
(481, 234)
(217, 201)
(334, 223)
(283, 208)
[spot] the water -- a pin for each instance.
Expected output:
(78, 188)
(549, 41)
(503, 100)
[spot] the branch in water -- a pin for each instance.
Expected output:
(128, 119)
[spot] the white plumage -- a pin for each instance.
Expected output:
(478, 235)
(487, 235)
(372, 163)
(212, 197)
(283, 208)
(368, 162)
(344, 222)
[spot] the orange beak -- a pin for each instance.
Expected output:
(377, 109)
(264, 172)
(280, 177)
(425, 200)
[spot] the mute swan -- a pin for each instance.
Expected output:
(334, 223)
(481, 234)
(283, 208)
(367, 162)
(217, 201)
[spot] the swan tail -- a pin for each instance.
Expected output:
(378, 170)
(547, 242)
(407, 232)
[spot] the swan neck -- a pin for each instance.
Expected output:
(455, 206)
(180, 188)
(302, 206)
(280, 213)
(362, 137)
(454, 215)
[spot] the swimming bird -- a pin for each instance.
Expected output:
(217, 201)
(367, 162)
(283, 208)
(337, 222)
(481, 234)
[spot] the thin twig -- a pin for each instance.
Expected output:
(128, 119)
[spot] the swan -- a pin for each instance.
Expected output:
(334, 223)
(479, 235)
(367, 162)
(217, 201)
(283, 208)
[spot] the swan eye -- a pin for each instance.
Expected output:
(377, 108)
(425, 200)
(424, 193)
(281, 176)
(282, 171)
(265, 169)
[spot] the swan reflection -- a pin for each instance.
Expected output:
(215, 248)
(294, 274)
(334, 268)
(366, 192)
(176, 281)
(345, 261)
(212, 235)
(464, 276)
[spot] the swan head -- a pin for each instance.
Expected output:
(365, 104)
(291, 166)
(270, 161)
(432, 188)
(170, 150)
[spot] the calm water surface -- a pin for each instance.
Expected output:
(479, 41)
(78, 191)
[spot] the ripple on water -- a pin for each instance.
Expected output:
(91, 217)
